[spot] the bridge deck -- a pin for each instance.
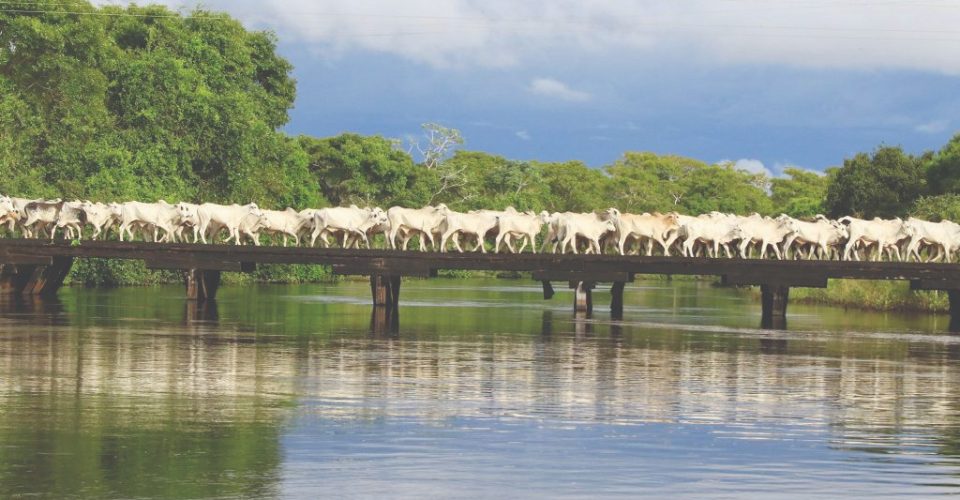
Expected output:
(567, 267)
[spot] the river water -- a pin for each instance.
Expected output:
(485, 391)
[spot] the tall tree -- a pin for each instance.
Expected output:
(799, 193)
(943, 169)
(882, 184)
(352, 168)
(140, 102)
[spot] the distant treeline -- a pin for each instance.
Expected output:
(146, 104)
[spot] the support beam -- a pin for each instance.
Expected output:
(583, 296)
(33, 279)
(774, 302)
(385, 316)
(547, 290)
(616, 300)
(385, 290)
(954, 297)
(201, 284)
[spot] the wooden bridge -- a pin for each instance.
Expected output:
(36, 267)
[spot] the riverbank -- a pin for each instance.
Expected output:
(872, 296)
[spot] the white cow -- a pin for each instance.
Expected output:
(645, 227)
(71, 218)
(590, 227)
(764, 231)
(287, 223)
(821, 235)
(423, 222)
(885, 234)
(713, 230)
(475, 224)
(943, 236)
(213, 218)
(8, 212)
(101, 216)
(351, 221)
(159, 216)
(525, 226)
(41, 217)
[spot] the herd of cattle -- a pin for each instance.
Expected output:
(437, 227)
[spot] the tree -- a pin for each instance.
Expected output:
(643, 181)
(937, 208)
(474, 179)
(366, 170)
(800, 193)
(943, 169)
(573, 186)
(883, 184)
(140, 102)
(439, 144)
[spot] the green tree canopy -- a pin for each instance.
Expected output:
(366, 170)
(883, 184)
(646, 182)
(573, 187)
(800, 193)
(943, 169)
(140, 102)
(937, 208)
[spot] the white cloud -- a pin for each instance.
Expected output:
(548, 87)
(497, 33)
(523, 135)
(751, 165)
(933, 127)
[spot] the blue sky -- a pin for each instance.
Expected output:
(767, 83)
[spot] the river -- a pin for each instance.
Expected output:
(487, 390)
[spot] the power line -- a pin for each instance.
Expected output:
(503, 24)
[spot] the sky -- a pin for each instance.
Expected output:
(767, 84)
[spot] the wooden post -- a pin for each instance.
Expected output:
(616, 299)
(385, 290)
(954, 297)
(202, 284)
(773, 299)
(34, 279)
(8, 273)
(385, 316)
(201, 311)
(48, 279)
(583, 296)
(378, 289)
(547, 290)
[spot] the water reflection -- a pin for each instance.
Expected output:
(282, 391)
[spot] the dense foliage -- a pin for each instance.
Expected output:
(144, 103)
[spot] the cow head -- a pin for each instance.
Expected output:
(611, 213)
(187, 213)
(7, 210)
(254, 209)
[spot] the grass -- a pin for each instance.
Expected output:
(872, 295)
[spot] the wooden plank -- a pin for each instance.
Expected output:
(934, 284)
(14, 258)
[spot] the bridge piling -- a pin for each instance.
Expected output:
(202, 284)
(954, 297)
(616, 299)
(773, 300)
(385, 290)
(42, 280)
(583, 296)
